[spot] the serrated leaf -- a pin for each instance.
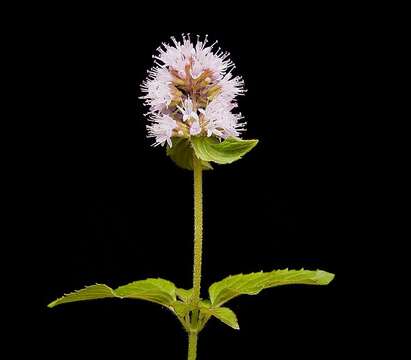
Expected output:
(251, 284)
(184, 295)
(224, 314)
(182, 154)
(97, 291)
(158, 290)
(225, 152)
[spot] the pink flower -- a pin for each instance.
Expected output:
(191, 91)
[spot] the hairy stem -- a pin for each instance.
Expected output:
(192, 345)
(198, 249)
(198, 230)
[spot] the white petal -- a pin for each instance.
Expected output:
(195, 128)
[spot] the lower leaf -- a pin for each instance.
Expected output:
(181, 309)
(184, 295)
(224, 314)
(251, 284)
(97, 291)
(159, 291)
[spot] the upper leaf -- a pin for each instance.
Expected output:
(182, 154)
(251, 284)
(97, 291)
(225, 152)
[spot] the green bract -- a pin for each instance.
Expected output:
(182, 154)
(208, 149)
(224, 152)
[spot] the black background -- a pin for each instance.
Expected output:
(106, 207)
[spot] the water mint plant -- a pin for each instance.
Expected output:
(191, 96)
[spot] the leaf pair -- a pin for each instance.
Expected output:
(208, 149)
(223, 314)
(178, 300)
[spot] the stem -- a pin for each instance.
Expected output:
(198, 249)
(192, 346)
(198, 229)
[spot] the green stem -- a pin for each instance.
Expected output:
(198, 249)
(198, 230)
(192, 346)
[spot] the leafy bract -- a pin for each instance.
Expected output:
(182, 154)
(225, 152)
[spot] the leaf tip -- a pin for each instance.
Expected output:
(324, 277)
(52, 304)
(254, 142)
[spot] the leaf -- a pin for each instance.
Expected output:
(224, 314)
(181, 308)
(182, 154)
(225, 152)
(251, 284)
(184, 295)
(97, 291)
(159, 291)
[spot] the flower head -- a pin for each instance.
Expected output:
(161, 128)
(191, 91)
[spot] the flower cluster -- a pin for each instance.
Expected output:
(191, 91)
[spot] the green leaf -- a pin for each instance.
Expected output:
(224, 314)
(159, 291)
(184, 295)
(251, 284)
(182, 154)
(225, 152)
(97, 291)
(181, 308)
